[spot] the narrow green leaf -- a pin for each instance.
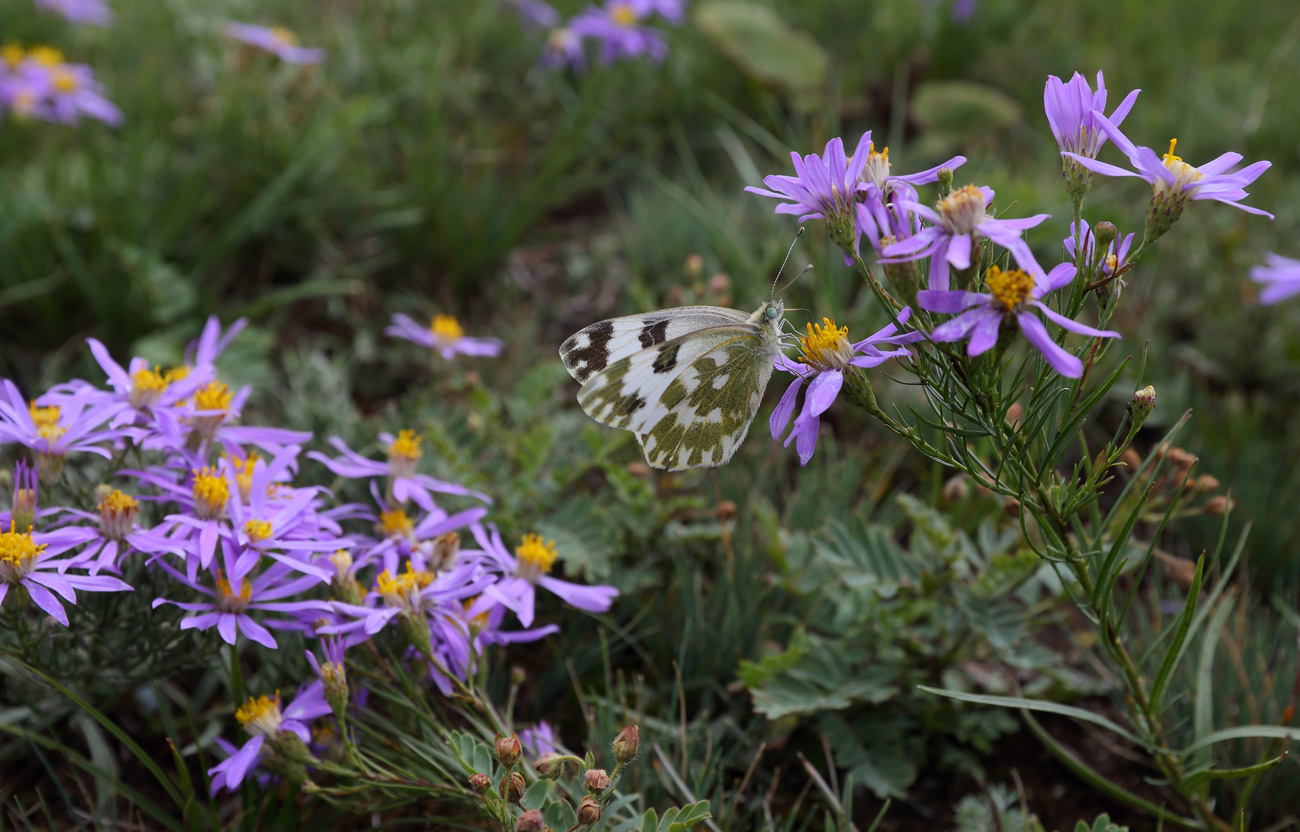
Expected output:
(1037, 705)
(1203, 712)
(1204, 777)
(1281, 732)
(1183, 626)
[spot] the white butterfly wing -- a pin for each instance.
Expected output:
(691, 399)
(591, 349)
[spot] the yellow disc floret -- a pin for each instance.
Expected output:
(117, 514)
(404, 590)
(227, 599)
(260, 715)
(622, 13)
(1010, 289)
(64, 79)
(395, 523)
(257, 530)
(1184, 174)
(243, 469)
(12, 54)
(479, 621)
(213, 396)
(445, 328)
(283, 36)
(536, 557)
(46, 56)
(46, 420)
(404, 454)
(211, 493)
(147, 386)
(876, 167)
(18, 552)
(963, 210)
(826, 347)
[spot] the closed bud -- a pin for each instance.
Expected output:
(588, 811)
(1219, 506)
(1014, 412)
(945, 181)
(1011, 508)
(1143, 403)
(1131, 459)
(1180, 458)
(511, 787)
(596, 780)
(638, 469)
(1206, 483)
(517, 675)
(726, 511)
(549, 766)
(625, 744)
(1105, 232)
(694, 265)
(508, 750)
(956, 489)
(480, 783)
(530, 821)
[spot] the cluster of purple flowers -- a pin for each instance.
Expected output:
(246, 548)
(37, 83)
(619, 29)
(859, 195)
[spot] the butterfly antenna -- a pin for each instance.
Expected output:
(783, 262)
(805, 271)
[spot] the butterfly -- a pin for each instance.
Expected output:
(686, 381)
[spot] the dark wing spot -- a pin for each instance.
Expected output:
(666, 359)
(586, 361)
(655, 333)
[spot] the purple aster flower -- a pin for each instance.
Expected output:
(563, 48)
(957, 222)
(139, 390)
(823, 187)
(115, 533)
(233, 595)
(827, 355)
(54, 431)
(92, 12)
(1114, 258)
(432, 544)
(528, 569)
(30, 559)
(73, 93)
(25, 508)
(212, 342)
(539, 740)
(1174, 181)
(277, 40)
(674, 11)
(877, 176)
(262, 718)
(403, 455)
(962, 11)
(1011, 294)
(1072, 111)
(1280, 277)
(444, 336)
(617, 27)
(535, 13)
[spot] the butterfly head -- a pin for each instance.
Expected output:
(769, 315)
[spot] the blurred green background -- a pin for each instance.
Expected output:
(430, 165)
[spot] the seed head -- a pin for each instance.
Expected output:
(508, 750)
(596, 780)
(588, 811)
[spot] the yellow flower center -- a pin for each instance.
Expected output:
(1112, 263)
(963, 210)
(257, 530)
(446, 328)
(342, 560)
(536, 557)
(244, 473)
(47, 424)
(283, 36)
(228, 600)
(403, 591)
(260, 715)
(117, 513)
(64, 79)
(46, 56)
(213, 396)
(825, 347)
(395, 523)
(147, 386)
(211, 493)
(12, 54)
(1009, 289)
(622, 14)
(1184, 174)
(876, 169)
(17, 553)
(24, 102)
(479, 621)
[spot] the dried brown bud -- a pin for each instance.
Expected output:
(480, 783)
(1179, 570)
(549, 766)
(719, 283)
(1014, 413)
(625, 744)
(956, 489)
(596, 780)
(1011, 508)
(694, 265)
(726, 511)
(443, 551)
(638, 469)
(511, 787)
(508, 750)
(530, 821)
(1180, 458)
(1206, 483)
(1131, 459)
(1219, 506)
(588, 811)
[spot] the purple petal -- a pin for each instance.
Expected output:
(784, 409)
(1062, 361)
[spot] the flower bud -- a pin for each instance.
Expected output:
(694, 265)
(625, 744)
(511, 787)
(596, 780)
(1131, 459)
(480, 783)
(1011, 508)
(517, 675)
(1219, 506)
(945, 181)
(1180, 458)
(26, 495)
(588, 811)
(530, 821)
(1105, 233)
(1206, 483)
(290, 746)
(508, 750)
(1144, 401)
(956, 489)
(549, 766)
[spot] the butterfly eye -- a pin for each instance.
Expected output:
(771, 312)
